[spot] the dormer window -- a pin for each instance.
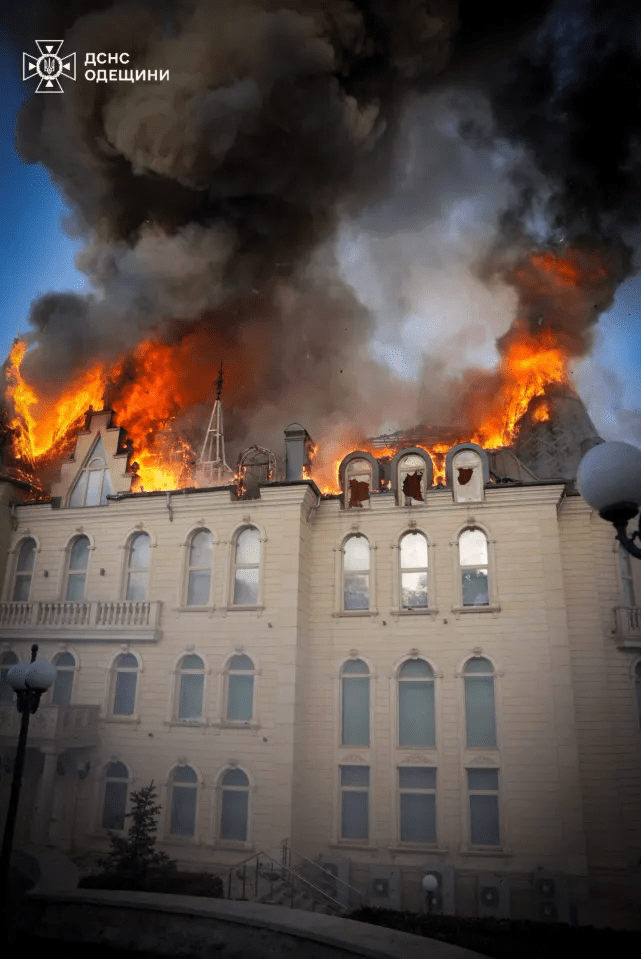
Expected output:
(411, 480)
(358, 483)
(94, 482)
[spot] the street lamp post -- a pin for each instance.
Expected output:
(430, 885)
(609, 480)
(29, 681)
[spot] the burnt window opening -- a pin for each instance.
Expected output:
(411, 479)
(465, 475)
(358, 483)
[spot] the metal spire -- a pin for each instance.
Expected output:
(212, 468)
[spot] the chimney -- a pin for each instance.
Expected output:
(298, 445)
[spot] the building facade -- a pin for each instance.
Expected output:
(400, 679)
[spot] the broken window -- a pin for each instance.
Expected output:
(356, 573)
(94, 482)
(411, 480)
(473, 559)
(413, 571)
(358, 482)
(467, 476)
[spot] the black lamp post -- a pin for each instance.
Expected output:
(609, 480)
(29, 681)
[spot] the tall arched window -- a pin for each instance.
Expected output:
(415, 704)
(24, 571)
(125, 681)
(191, 682)
(184, 791)
(234, 806)
(199, 572)
(138, 559)
(355, 680)
(356, 573)
(473, 559)
(240, 689)
(94, 483)
(413, 572)
(65, 665)
(480, 717)
(637, 688)
(7, 660)
(77, 570)
(627, 579)
(246, 567)
(114, 804)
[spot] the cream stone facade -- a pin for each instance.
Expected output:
(401, 679)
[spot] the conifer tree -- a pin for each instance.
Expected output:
(137, 852)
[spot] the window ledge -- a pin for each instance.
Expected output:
(130, 720)
(491, 608)
(354, 844)
(421, 611)
(355, 613)
(189, 723)
(179, 841)
(231, 844)
(196, 609)
(237, 724)
(243, 609)
(421, 847)
(496, 852)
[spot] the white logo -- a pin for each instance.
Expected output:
(49, 66)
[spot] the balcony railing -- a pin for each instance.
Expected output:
(66, 726)
(628, 623)
(98, 618)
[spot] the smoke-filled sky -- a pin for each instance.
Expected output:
(337, 196)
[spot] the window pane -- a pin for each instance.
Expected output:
(354, 817)
(240, 698)
(484, 820)
(355, 712)
(240, 662)
(127, 659)
(355, 666)
(478, 665)
(416, 713)
(235, 777)
(62, 687)
(198, 588)
(479, 709)
(137, 587)
(356, 553)
(140, 551)
(107, 489)
(413, 551)
(184, 774)
(354, 775)
(22, 587)
(26, 556)
(472, 546)
(77, 497)
(75, 587)
(356, 594)
(418, 817)
(113, 813)
(246, 587)
(65, 659)
(233, 816)
(191, 662)
(116, 770)
(475, 591)
(416, 667)
(414, 590)
(94, 487)
(125, 694)
(183, 811)
(79, 556)
(248, 548)
(200, 552)
(483, 778)
(191, 696)
(416, 777)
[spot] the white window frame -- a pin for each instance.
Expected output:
(87, 468)
(471, 677)
(486, 767)
(179, 672)
(493, 606)
(398, 679)
(354, 470)
(221, 788)
(232, 567)
(228, 671)
(110, 715)
(183, 600)
(73, 670)
(127, 568)
(402, 472)
(349, 840)
(102, 791)
(369, 676)
(170, 836)
(431, 609)
(418, 791)
(16, 572)
(68, 572)
(339, 578)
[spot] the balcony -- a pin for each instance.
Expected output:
(64, 726)
(97, 621)
(628, 626)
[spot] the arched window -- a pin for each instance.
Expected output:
(358, 482)
(234, 807)
(191, 682)
(356, 573)
(125, 681)
(411, 480)
(94, 483)
(7, 660)
(415, 704)
(184, 791)
(65, 665)
(637, 688)
(77, 570)
(138, 559)
(114, 804)
(355, 680)
(240, 689)
(413, 572)
(473, 559)
(480, 718)
(199, 572)
(24, 571)
(246, 567)
(627, 580)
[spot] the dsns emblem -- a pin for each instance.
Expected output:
(49, 66)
